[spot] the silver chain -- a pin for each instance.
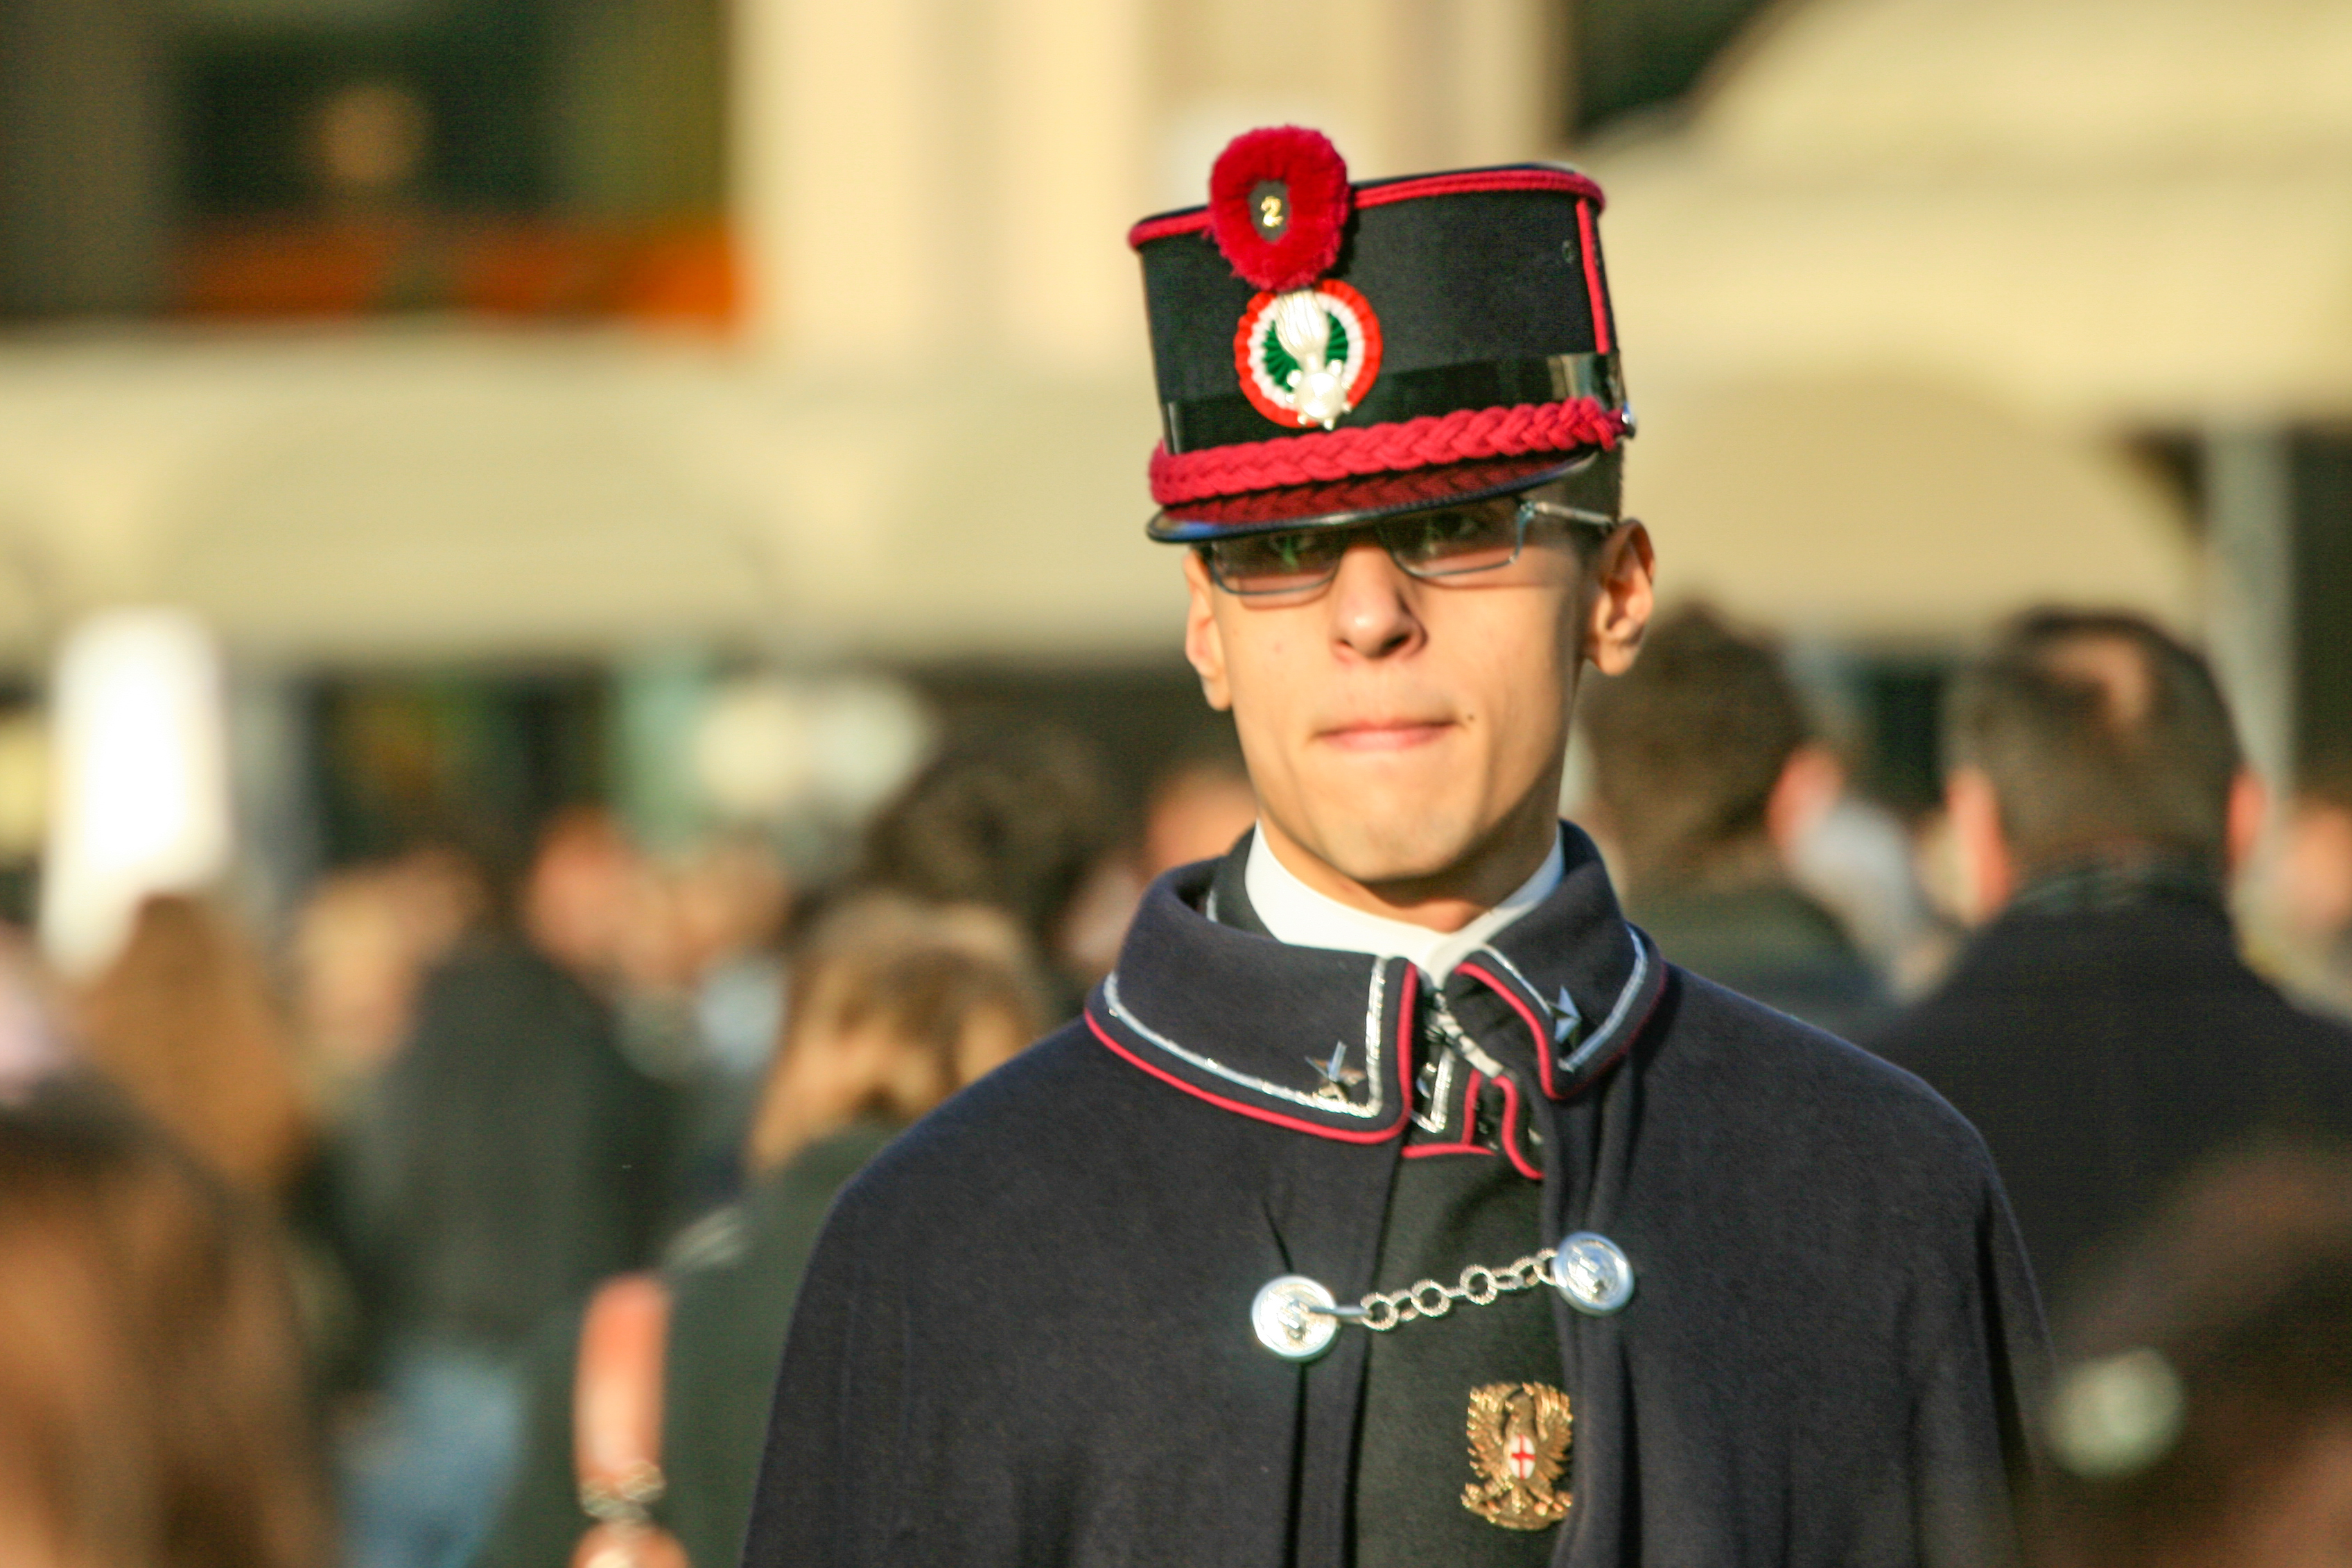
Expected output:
(1480, 1286)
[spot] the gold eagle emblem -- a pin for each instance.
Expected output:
(1518, 1448)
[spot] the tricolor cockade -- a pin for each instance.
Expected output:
(1308, 348)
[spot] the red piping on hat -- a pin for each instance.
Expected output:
(1192, 220)
(1464, 436)
(1469, 181)
(1592, 248)
(1296, 1124)
(1473, 182)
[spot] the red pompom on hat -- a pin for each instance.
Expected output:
(1278, 205)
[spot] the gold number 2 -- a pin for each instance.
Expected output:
(1270, 210)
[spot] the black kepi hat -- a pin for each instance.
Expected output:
(1327, 352)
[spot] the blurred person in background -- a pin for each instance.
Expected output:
(899, 1005)
(151, 1407)
(364, 940)
(1860, 860)
(1015, 819)
(513, 1158)
(185, 1022)
(580, 901)
(2100, 1028)
(2202, 1417)
(1197, 810)
(33, 1042)
(702, 1000)
(1705, 778)
(2309, 887)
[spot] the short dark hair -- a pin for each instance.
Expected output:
(2096, 729)
(1687, 745)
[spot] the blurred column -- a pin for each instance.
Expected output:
(2320, 460)
(841, 126)
(140, 800)
(1508, 83)
(1073, 108)
(280, 846)
(84, 165)
(1401, 85)
(2250, 532)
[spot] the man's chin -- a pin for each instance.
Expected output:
(1401, 852)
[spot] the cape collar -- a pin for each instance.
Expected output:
(1324, 1041)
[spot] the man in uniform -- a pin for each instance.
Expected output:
(1393, 1203)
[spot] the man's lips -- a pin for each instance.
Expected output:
(1385, 734)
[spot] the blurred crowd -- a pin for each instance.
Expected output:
(465, 1221)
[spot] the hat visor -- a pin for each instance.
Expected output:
(1336, 503)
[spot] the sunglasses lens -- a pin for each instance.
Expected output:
(1276, 562)
(1459, 539)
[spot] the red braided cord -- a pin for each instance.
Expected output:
(1461, 436)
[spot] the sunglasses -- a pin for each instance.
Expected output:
(1448, 542)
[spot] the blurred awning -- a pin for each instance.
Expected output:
(2115, 214)
(456, 494)
(433, 494)
(1894, 512)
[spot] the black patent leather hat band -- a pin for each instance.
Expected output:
(1194, 425)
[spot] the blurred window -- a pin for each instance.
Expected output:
(339, 158)
(1632, 55)
(477, 761)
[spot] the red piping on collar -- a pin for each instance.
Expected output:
(1370, 1135)
(1511, 1130)
(1469, 1125)
(1468, 181)
(1543, 1042)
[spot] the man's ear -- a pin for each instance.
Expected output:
(2249, 803)
(1624, 572)
(1204, 647)
(1988, 874)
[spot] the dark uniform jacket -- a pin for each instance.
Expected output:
(2106, 1037)
(1025, 1337)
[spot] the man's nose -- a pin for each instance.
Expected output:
(1371, 604)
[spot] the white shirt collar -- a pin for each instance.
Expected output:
(1297, 914)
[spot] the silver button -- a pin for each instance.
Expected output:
(1593, 1274)
(1284, 1323)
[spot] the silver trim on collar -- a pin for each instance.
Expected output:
(1374, 1071)
(1441, 1095)
(1616, 1018)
